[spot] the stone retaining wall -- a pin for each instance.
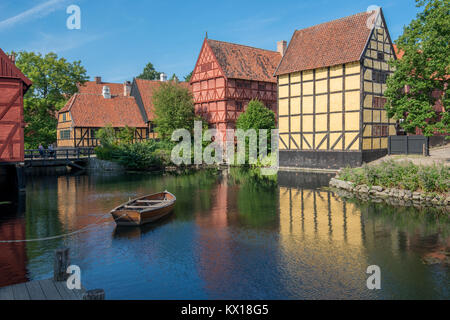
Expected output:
(393, 196)
(97, 165)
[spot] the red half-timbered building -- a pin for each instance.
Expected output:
(13, 85)
(227, 76)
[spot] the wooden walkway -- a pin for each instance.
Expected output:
(41, 290)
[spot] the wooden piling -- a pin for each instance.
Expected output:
(61, 264)
(96, 294)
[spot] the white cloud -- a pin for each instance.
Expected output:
(63, 42)
(37, 12)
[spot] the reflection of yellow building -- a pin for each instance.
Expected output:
(322, 235)
(330, 101)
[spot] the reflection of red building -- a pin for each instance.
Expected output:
(227, 76)
(13, 257)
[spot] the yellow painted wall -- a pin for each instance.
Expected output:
(317, 95)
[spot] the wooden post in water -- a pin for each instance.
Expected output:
(96, 294)
(61, 264)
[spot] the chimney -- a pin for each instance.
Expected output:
(12, 58)
(98, 80)
(281, 47)
(106, 92)
(127, 88)
(163, 77)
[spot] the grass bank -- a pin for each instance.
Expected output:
(401, 175)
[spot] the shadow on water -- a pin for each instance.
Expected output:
(124, 232)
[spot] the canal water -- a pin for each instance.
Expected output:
(230, 237)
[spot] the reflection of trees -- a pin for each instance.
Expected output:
(256, 198)
(42, 214)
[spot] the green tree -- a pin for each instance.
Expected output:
(423, 69)
(174, 109)
(257, 116)
(149, 73)
(174, 78)
(188, 77)
(54, 81)
(106, 136)
(126, 135)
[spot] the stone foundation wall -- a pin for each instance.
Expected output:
(393, 196)
(96, 165)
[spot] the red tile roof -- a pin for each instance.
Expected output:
(94, 111)
(243, 62)
(328, 44)
(97, 88)
(8, 69)
(146, 89)
(398, 52)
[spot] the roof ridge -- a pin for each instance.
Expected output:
(332, 21)
(243, 45)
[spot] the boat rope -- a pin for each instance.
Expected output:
(84, 229)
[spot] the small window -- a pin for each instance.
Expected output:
(261, 87)
(239, 105)
(64, 117)
(380, 56)
(64, 134)
(379, 102)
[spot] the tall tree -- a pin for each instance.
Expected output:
(54, 81)
(149, 73)
(174, 109)
(422, 70)
(188, 77)
(256, 116)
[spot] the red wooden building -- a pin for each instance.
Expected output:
(13, 86)
(227, 76)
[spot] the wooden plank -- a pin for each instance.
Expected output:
(50, 291)
(35, 291)
(20, 292)
(65, 293)
(6, 293)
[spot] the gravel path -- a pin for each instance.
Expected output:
(437, 155)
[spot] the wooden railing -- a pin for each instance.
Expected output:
(59, 154)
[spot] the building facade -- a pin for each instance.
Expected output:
(13, 86)
(98, 104)
(331, 83)
(85, 113)
(227, 77)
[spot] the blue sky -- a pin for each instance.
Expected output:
(117, 38)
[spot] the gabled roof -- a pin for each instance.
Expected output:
(146, 89)
(243, 62)
(328, 44)
(97, 88)
(8, 69)
(94, 111)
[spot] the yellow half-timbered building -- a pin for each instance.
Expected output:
(331, 82)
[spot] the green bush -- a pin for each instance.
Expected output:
(405, 175)
(138, 156)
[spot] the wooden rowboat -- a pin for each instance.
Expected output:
(144, 210)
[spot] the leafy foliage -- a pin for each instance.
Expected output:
(174, 109)
(404, 175)
(257, 116)
(423, 69)
(149, 73)
(188, 77)
(138, 156)
(54, 81)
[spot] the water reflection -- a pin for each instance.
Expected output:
(231, 236)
